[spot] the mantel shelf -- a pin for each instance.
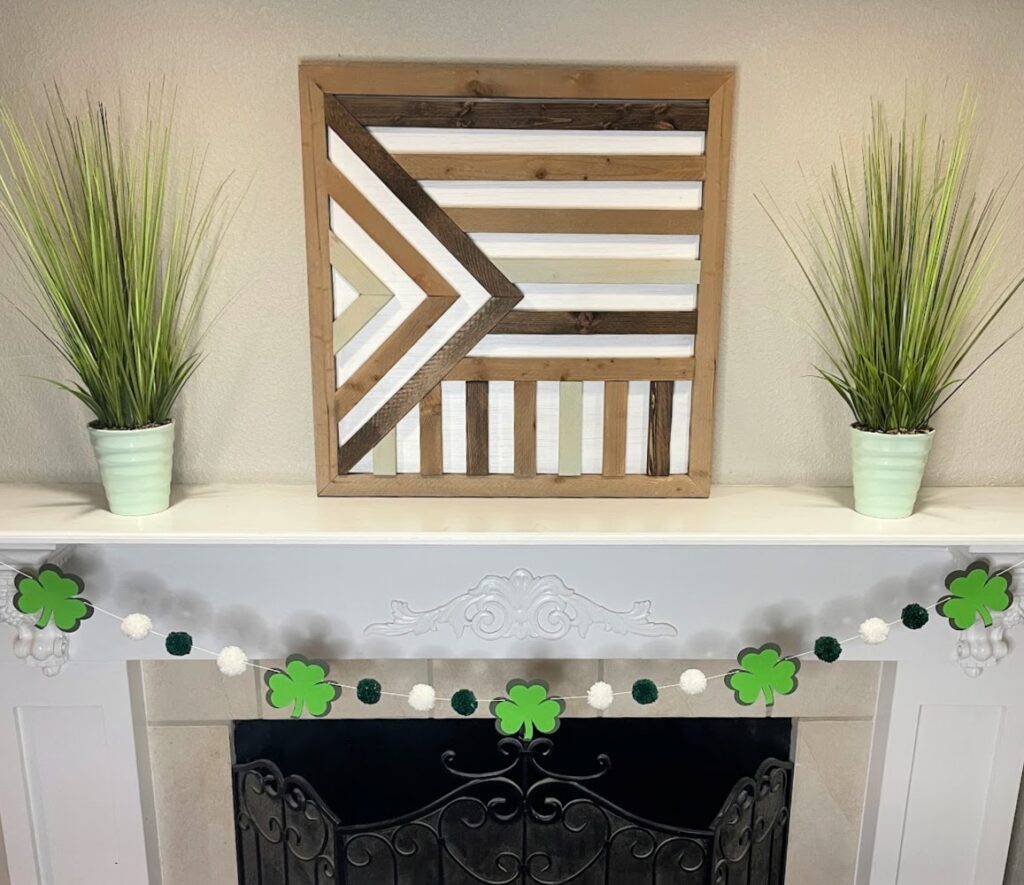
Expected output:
(292, 514)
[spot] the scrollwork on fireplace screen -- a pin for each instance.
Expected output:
(520, 824)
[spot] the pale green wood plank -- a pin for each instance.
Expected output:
(357, 274)
(355, 316)
(600, 270)
(570, 428)
(385, 456)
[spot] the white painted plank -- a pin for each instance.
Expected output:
(566, 194)
(500, 433)
(679, 443)
(453, 426)
(547, 426)
(525, 245)
(606, 297)
(425, 140)
(593, 426)
(409, 443)
(585, 345)
(638, 410)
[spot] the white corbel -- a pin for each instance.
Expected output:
(48, 648)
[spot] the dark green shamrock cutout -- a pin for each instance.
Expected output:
(973, 593)
(763, 671)
(53, 596)
(303, 685)
(527, 709)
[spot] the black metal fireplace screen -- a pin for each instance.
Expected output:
(520, 824)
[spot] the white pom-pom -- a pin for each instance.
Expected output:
(232, 661)
(136, 626)
(874, 631)
(693, 681)
(600, 696)
(422, 698)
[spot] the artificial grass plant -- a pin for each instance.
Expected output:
(118, 257)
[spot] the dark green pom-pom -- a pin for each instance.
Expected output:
(178, 643)
(914, 616)
(464, 702)
(827, 649)
(368, 691)
(645, 691)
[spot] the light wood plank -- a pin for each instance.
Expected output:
(570, 428)
(712, 250)
(552, 167)
(587, 221)
(355, 316)
(656, 271)
(356, 274)
(589, 369)
(477, 429)
(431, 438)
(509, 486)
(385, 455)
(525, 428)
(616, 398)
(659, 434)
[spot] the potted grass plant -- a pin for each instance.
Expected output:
(899, 256)
(118, 255)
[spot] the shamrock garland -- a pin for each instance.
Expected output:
(973, 594)
(527, 709)
(763, 671)
(54, 596)
(303, 685)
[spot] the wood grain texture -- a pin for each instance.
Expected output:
(525, 428)
(552, 167)
(584, 322)
(356, 274)
(468, 112)
(570, 428)
(391, 350)
(318, 275)
(656, 271)
(430, 374)
(712, 253)
(569, 369)
(582, 221)
(355, 316)
(659, 433)
(616, 397)
(385, 235)
(385, 455)
(477, 429)
(516, 81)
(510, 486)
(408, 190)
(431, 438)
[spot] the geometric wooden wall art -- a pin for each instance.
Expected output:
(515, 275)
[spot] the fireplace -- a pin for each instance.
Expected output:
(670, 801)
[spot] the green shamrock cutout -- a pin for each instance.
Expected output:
(527, 709)
(52, 595)
(763, 671)
(303, 685)
(973, 593)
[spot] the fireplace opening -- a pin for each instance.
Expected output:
(423, 802)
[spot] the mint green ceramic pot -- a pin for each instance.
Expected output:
(135, 467)
(887, 471)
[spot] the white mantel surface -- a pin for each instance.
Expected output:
(293, 514)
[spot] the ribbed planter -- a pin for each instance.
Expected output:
(887, 471)
(135, 467)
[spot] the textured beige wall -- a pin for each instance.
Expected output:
(807, 69)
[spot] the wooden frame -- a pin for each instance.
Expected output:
(348, 97)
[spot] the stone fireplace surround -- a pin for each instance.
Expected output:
(184, 709)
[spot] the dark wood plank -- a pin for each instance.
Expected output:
(552, 167)
(408, 190)
(463, 112)
(660, 428)
(616, 395)
(582, 221)
(431, 373)
(431, 440)
(477, 429)
(496, 368)
(525, 428)
(612, 322)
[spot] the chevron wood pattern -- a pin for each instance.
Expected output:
(565, 288)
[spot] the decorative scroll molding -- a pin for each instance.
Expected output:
(521, 606)
(980, 647)
(48, 648)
